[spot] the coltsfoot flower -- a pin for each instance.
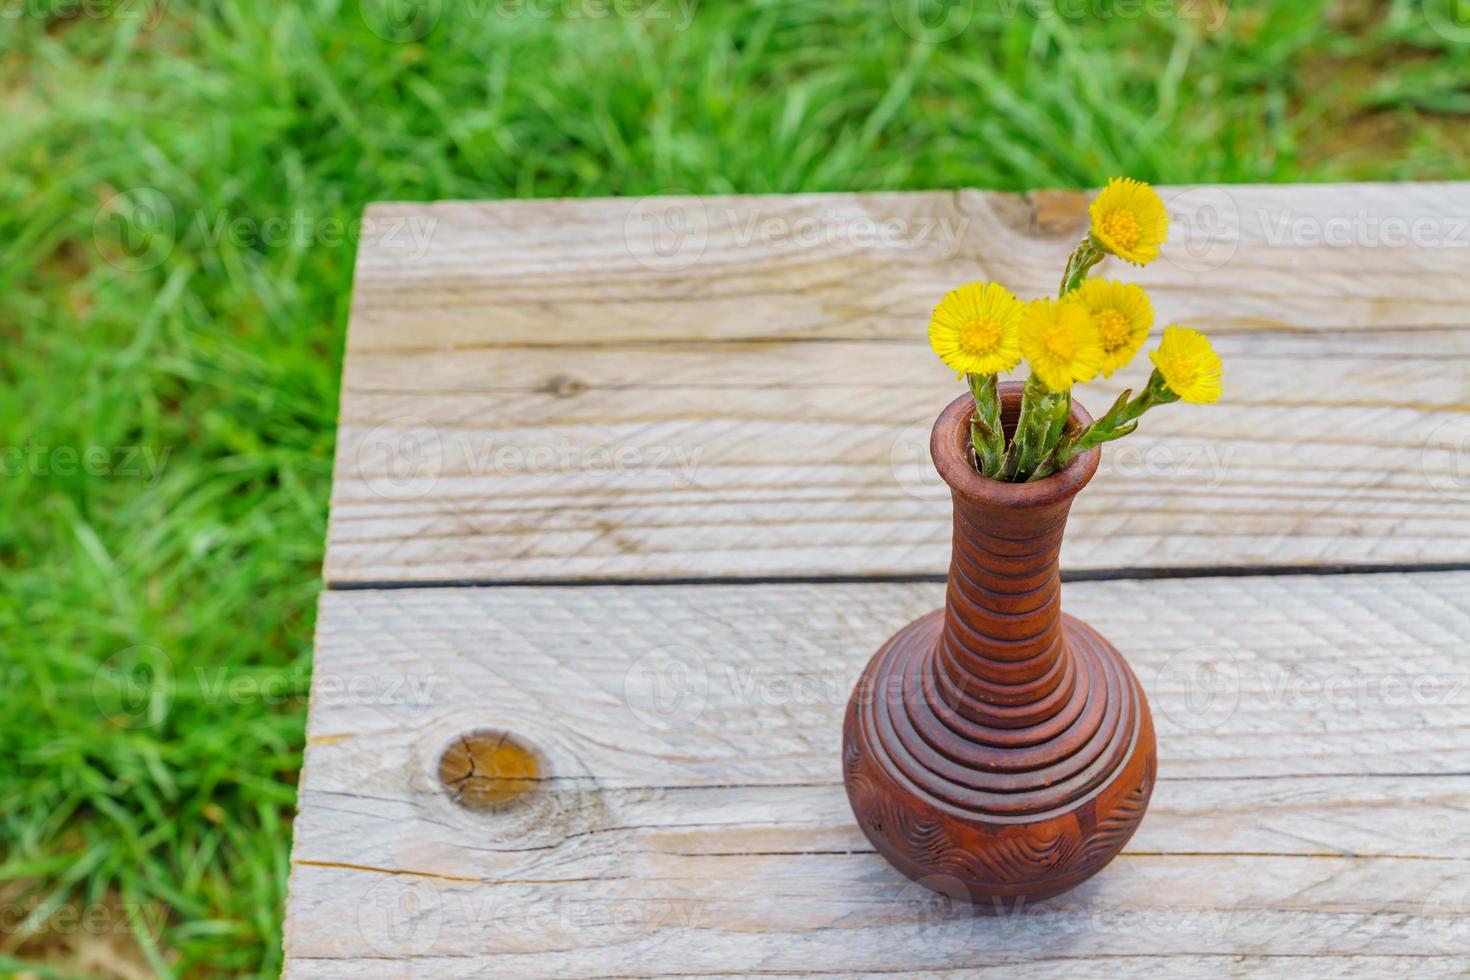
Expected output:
(1060, 343)
(975, 329)
(1129, 220)
(1094, 327)
(1122, 315)
(1189, 365)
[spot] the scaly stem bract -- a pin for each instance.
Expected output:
(985, 430)
(1039, 407)
(1061, 409)
(1086, 255)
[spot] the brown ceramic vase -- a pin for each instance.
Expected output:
(998, 747)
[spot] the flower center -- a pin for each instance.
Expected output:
(1181, 374)
(1114, 329)
(980, 337)
(1122, 227)
(1059, 345)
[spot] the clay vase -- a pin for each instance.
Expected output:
(998, 749)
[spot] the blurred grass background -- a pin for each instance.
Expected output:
(133, 589)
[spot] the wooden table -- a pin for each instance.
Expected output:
(627, 492)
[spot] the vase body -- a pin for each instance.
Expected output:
(997, 749)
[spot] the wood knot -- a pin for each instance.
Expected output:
(488, 769)
(1045, 214)
(561, 386)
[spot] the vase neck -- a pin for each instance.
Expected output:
(1002, 658)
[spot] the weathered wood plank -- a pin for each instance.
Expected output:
(463, 274)
(1230, 966)
(540, 393)
(1313, 732)
(777, 915)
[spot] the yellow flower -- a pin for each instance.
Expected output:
(1060, 343)
(1122, 315)
(1190, 366)
(974, 329)
(1129, 220)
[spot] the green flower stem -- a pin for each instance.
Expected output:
(1040, 408)
(985, 430)
(1119, 421)
(1039, 432)
(1086, 255)
(1031, 395)
(1061, 409)
(1058, 423)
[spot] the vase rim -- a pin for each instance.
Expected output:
(949, 444)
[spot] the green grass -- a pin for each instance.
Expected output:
(131, 782)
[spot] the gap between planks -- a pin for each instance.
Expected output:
(1081, 575)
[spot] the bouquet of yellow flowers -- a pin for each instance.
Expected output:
(1093, 326)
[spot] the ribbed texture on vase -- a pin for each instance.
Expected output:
(1077, 738)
